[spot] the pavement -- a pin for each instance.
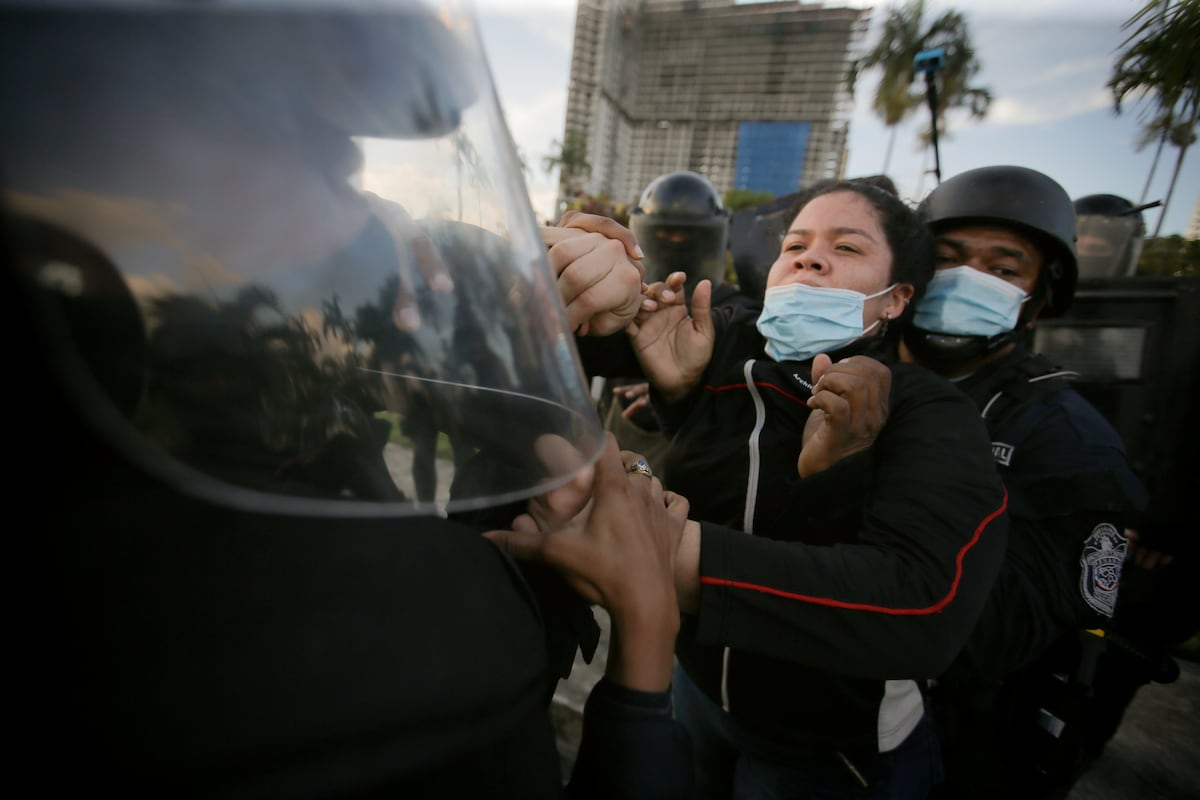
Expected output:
(1155, 754)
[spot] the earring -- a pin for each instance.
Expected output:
(887, 317)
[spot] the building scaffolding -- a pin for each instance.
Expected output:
(751, 95)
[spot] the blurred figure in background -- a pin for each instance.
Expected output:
(1158, 608)
(1110, 233)
(682, 226)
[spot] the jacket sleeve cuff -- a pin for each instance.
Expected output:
(672, 415)
(632, 747)
(846, 482)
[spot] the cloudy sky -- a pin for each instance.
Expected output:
(1046, 62)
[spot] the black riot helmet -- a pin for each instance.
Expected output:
(755, 234)
(1109, 234)
(682, 225)
(1022, 199)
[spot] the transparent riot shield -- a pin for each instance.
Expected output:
(287, 252)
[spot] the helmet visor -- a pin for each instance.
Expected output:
(696, 247)
(318, 222)
(1108, 246)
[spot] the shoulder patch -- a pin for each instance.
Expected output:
(1002, 452)
(1100, 568)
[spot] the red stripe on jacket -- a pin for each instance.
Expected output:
(828, 601)
(760, 384)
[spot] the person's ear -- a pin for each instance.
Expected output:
(1040, 296)
(1032, 310)
(897, 300)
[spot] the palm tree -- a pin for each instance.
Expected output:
(570, 160)
(1157, 62)
(903, 36)
(465, 155)
(1146, 138)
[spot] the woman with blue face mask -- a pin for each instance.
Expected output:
(836, 281)
(820, 289)
(846, 521)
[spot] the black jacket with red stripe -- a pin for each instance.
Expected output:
(826, 642)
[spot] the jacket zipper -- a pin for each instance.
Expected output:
(760, 421)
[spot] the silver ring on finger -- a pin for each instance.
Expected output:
(642, 468)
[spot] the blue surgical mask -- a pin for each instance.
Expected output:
(800, 321)
(962, 301)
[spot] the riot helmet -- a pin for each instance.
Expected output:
(755, 234)
(1109, 234)
(681, 224)
(302, 230)
(1019, 198)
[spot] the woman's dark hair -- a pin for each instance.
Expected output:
(908, 238)
(882, 181)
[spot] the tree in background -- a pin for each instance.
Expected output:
(737, 199)
(599, 204)
(1157, 61)
(522, 161)
(903, 36)
(467, 157)
(571, 162)
(1170, 255)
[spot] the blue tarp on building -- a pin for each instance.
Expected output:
(770, 156)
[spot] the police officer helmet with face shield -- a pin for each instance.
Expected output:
(682, 225)
(1110, 233)
(239, 238)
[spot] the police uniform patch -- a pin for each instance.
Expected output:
(1100, 568)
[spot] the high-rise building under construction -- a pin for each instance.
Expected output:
(751, 95)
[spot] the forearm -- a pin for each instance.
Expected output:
(863, 609)
(687, 569)
(899, 596)
(675, 391)
(631, 748)
(642, 651)
(1024, 614)
(673, 385)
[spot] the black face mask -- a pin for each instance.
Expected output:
(943, 353)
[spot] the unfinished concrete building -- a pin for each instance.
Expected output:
(751, 95)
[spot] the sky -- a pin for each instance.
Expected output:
(1045, 61)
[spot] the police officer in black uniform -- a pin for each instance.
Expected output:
(224, 584)
(1010, 709)
(1109, 236)
(681, 224)
(1159, 608)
